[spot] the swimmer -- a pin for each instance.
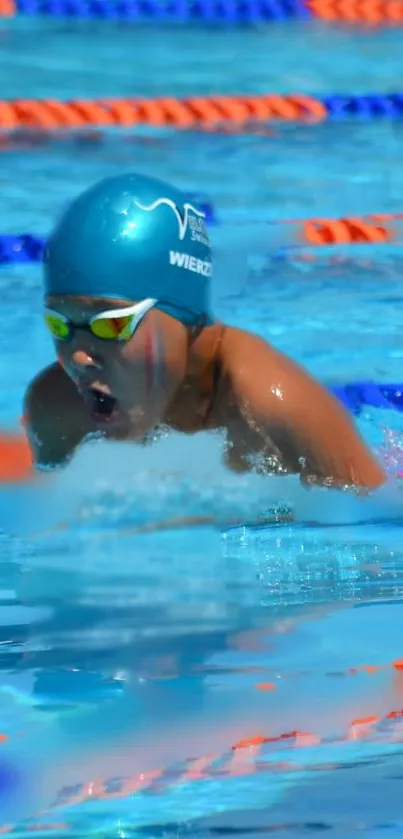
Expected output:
(127, 302)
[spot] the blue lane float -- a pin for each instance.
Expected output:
(180, 11)
(358, 395)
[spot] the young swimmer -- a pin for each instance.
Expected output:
(127, 282)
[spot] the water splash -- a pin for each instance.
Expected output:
(120, 486)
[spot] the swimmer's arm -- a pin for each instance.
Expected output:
(171, 524)
(307, 419)
(54, 422)
(200, 521)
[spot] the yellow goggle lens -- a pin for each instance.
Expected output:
(57, 327)
(112, 329)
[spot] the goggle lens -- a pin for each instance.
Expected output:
(58, 327)
(112, 329)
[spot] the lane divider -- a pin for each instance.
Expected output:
(207, 113)
(378, 229)
(362, 12)
(369, 13)
(226, 11)
(256, 754)
(7, 8)
(204, 111)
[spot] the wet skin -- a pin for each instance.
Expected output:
(274, 415)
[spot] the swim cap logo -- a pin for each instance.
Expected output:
(190, 263)
(191, 217)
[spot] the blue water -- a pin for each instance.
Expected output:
(123, 653)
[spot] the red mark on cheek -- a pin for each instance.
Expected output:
(149, 360)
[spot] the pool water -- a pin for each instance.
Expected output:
(207, 681)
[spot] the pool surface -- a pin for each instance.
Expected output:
(207, 682)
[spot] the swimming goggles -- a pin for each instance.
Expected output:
(110, 325)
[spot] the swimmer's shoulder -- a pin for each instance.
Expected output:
(260, 375)
(242, 350)
(245, 355)
(54, 416)
(242, 356)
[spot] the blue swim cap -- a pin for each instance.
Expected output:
(133, 237)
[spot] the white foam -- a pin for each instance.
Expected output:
(121, 484)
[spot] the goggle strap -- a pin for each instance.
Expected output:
(139, 309)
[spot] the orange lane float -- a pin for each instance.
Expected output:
(359, 12)
(201, 111)
(15, 458)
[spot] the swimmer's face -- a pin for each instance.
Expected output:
(127, 386)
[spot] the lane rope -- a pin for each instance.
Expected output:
(207, 113)
(368, 13)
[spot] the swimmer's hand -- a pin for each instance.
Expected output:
(55, 419)
(282, 409)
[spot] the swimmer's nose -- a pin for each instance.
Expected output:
(83, 360)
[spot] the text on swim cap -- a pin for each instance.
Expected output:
(190, 263)
(198, 232)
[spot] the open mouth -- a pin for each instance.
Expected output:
(102, 406)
